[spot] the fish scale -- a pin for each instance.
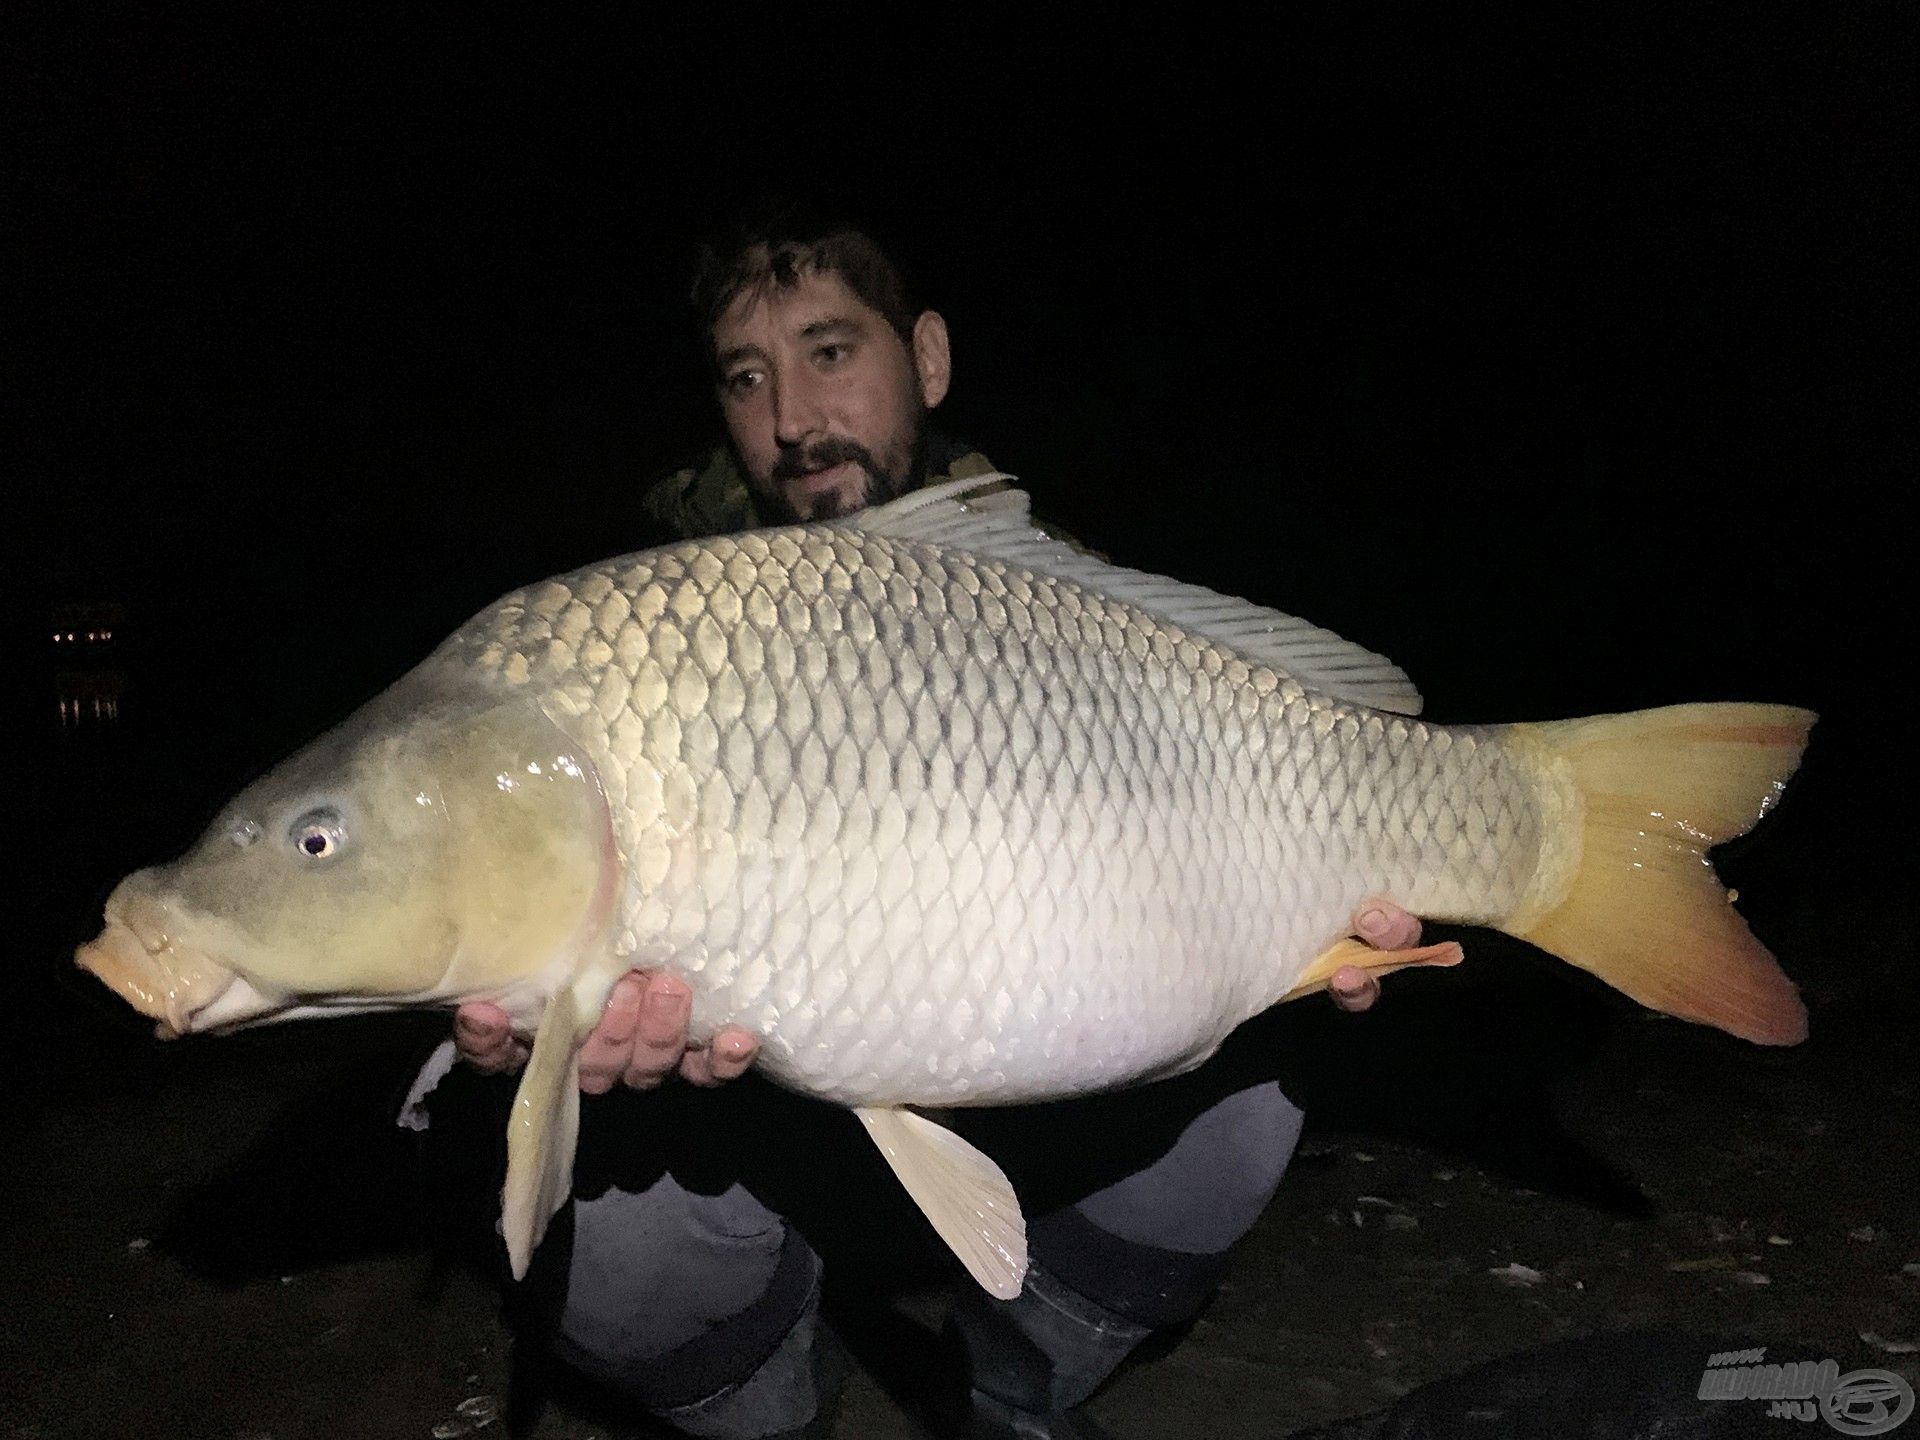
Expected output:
(1039, 838)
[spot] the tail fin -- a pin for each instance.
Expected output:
(1642, 908)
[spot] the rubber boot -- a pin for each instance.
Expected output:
(795, 1395)
(1032, 1359)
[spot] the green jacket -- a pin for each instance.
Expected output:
(714, 498)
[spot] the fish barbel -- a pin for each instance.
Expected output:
(945, 811)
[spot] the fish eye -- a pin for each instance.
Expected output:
(318, 834)
(245, 833)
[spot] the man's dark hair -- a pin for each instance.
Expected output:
(774, 251)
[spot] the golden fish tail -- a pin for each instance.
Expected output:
(1628, 892)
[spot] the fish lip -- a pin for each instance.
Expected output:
(120, 961)
(174, 986)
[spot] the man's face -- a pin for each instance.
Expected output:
(827, 406)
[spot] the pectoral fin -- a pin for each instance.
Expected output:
(964, 1194)
(544, 1128)
(542, 1133)
(1349, 951)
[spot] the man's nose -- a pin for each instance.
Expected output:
(797, 414)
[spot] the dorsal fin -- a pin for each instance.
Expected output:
(986, 515)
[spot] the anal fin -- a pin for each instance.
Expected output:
(1349, 951)
(965, 1196)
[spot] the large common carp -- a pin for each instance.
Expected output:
(947, 812)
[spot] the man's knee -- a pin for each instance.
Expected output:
(670, 1295)
(1152, 1248)
(1212, 1184)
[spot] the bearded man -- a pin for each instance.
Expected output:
(696, 1301)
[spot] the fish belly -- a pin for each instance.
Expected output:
(945, 832)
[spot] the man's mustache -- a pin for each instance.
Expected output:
(821, 456)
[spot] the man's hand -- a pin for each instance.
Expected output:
(1385, 926)
(641, 1039)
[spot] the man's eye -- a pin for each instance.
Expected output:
(832, 354)
(742, 381)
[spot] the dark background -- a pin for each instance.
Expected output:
(1563, 358)
(1562, 355)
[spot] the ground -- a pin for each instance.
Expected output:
(226, 1238)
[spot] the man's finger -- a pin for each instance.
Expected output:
(1385, 926)
(1353, 989)
(622, 1014)
(645, 1075)
(483, 1035)
(481, 1025)
(732, 1053)
(509, 1057)
(663, 1015)
(604, 1056)
(660, 1036)
(728, 1057)
(485, 1052)
(696, 1067)
(491, 1062)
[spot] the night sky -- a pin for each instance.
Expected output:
(1564, 360)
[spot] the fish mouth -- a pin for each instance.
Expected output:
(140, 959)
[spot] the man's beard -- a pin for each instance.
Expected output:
(879, 483)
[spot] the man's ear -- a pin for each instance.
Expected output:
(932, 364)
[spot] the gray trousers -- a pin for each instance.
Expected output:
(702, 1304)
